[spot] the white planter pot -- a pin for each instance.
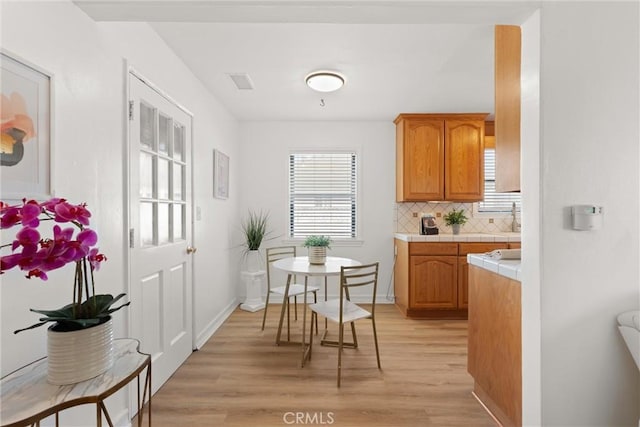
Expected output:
(317, 254)
(455, 228)
(253, 261)
(77, 356)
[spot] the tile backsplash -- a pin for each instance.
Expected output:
(406, 223)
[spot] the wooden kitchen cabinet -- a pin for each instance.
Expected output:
(431, 279)
(507, 104)
(433, 282)
(464, 159)
(440, 157)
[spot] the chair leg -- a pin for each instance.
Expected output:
(295, 305)
(315, 301)
(375, 340)
(313, 315)
(340, 341)
(353, 333)
(288, 320)
(264, 316)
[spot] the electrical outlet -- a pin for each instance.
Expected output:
(490, 220)
(415, 214)
(438, 214)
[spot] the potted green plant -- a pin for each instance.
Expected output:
(79, 342)
(317, 246)
(455, 219)
(254, 227)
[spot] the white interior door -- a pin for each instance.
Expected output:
(160, 228)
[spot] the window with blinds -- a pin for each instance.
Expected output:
(322, 194)
(495, 202)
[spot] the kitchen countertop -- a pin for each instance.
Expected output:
(505, 267)
(462, 237)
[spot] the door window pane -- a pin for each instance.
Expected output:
(147, 220)
(178, 222)
(163, 223)
(147, 126)
(146, 175)
(163, 179)
(164, 128)
(178, 182)
(178, 142)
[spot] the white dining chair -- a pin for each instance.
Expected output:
(342, 310)
(295, 289)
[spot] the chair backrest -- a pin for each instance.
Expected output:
(358, 276)
(276, 253)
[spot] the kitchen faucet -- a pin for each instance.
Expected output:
(515, 226)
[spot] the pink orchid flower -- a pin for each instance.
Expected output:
(37, 273)
(66, 212)
(29, 214)
(10, 217)
(25, 237)
(95, 259)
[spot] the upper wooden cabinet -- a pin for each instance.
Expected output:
(440, 157)
(507, 104)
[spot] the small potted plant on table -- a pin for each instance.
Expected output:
(317, 246)
(455, 219)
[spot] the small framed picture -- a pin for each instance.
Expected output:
(220, 175)
(25, 148)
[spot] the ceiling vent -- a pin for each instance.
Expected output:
(242, 81)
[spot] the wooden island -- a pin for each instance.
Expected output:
(495, 344)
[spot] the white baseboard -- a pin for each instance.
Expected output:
(213, 326)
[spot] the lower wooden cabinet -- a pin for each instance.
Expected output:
(432, 279)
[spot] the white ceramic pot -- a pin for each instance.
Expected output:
(317, 254)
(455, 228)
(77, 356)
(253, 261)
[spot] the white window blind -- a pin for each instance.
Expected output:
(322, 194)
(495, 202)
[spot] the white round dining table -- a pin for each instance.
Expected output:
(295, 266)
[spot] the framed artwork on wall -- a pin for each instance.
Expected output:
(220, 175)
(26, 146)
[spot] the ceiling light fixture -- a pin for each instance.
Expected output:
(324, 81)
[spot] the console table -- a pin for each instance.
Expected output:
(27, 398)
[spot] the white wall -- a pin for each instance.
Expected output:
(531, 221)
(589, 154)
(87, 61)
(265, 150)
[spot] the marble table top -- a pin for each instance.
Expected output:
(26, 395)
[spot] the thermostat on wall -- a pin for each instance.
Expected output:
(586, 217)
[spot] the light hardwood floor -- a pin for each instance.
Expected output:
(241, 378)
